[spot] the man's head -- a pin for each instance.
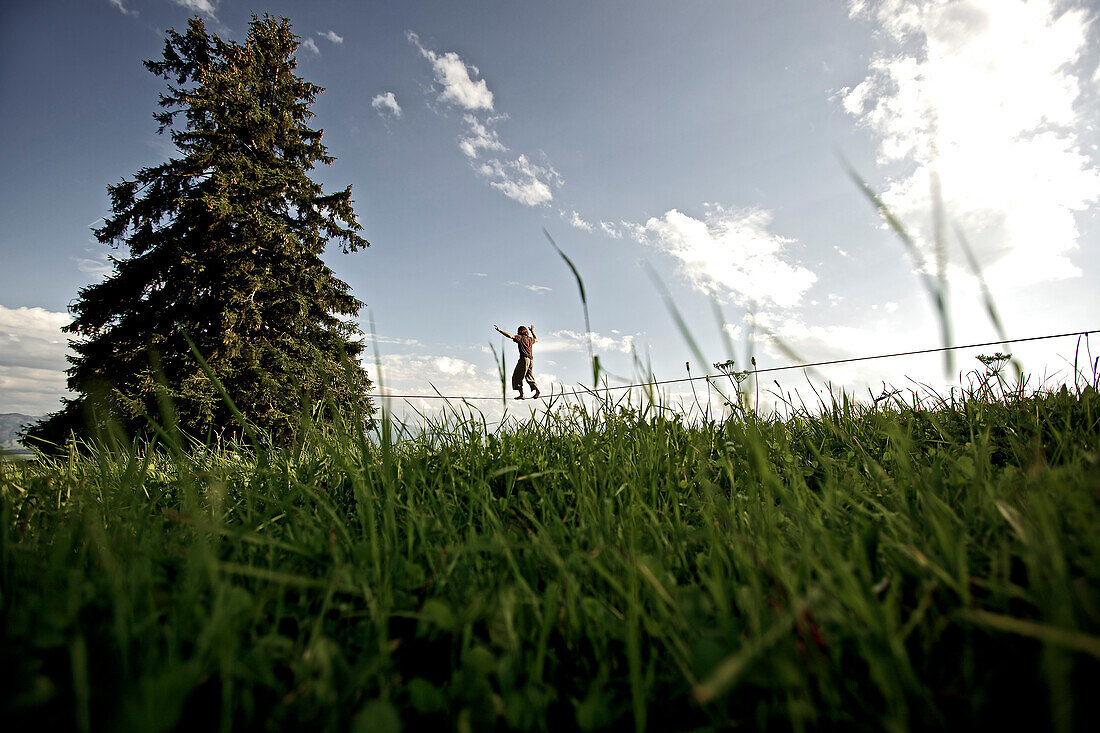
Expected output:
(522, 330)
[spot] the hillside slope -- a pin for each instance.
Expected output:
(10, 425)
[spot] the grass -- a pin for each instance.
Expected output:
(918, 563)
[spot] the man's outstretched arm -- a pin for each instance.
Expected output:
(503, 333)
(531, 330)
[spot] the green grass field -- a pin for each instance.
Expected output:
(919, 564)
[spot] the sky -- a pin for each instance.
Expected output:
(692, 152)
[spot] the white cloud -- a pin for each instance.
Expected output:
(575, 341)
(418, 374)
(32, 359)
(206, 7)
(518, 179)
(122, 8)
(386, 104)
(310, 45)
(454, 75)
(31, 391)
(454, 367)
(408, 368)
(611, 230)
(783, 335)
(404, 374)
(480, 137)
(853, 98)
(823, 343)
(331, 36)
(32, 337)
(521, 180)
(730, 255)
(374, 338)
(537, 289)
(576, 221)
(984, 92)
(97, 263)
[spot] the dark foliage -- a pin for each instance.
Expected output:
(225, 247)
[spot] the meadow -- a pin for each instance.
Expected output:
(917, 563)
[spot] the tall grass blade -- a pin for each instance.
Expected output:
(934, 289)
(681, 324)
(502, 371)
(1065, 638)
(987, 295)
(595, 360)
(939, 239)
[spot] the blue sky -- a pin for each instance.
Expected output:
(695, 139)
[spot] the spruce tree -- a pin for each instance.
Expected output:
(225, 245)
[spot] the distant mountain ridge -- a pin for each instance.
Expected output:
(10, 425)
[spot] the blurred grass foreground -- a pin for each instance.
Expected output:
(919, 563)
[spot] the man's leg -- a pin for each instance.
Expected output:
(517, 376)
(529, 375)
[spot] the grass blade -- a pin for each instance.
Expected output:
(595, 360)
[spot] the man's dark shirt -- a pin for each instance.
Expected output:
(525, 344)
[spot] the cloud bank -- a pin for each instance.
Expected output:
(98, 264)
(984, 93)
(205, 7)
(576, 221)
(576, 342)
(456, 78)
(536, 289)
(32, 360)
(386, 104)
(310, 45)
(730, 255)
(521, 180)
(457, 85)
(479, 137)
(122, 8)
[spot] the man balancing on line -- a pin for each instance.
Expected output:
(524, 370)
